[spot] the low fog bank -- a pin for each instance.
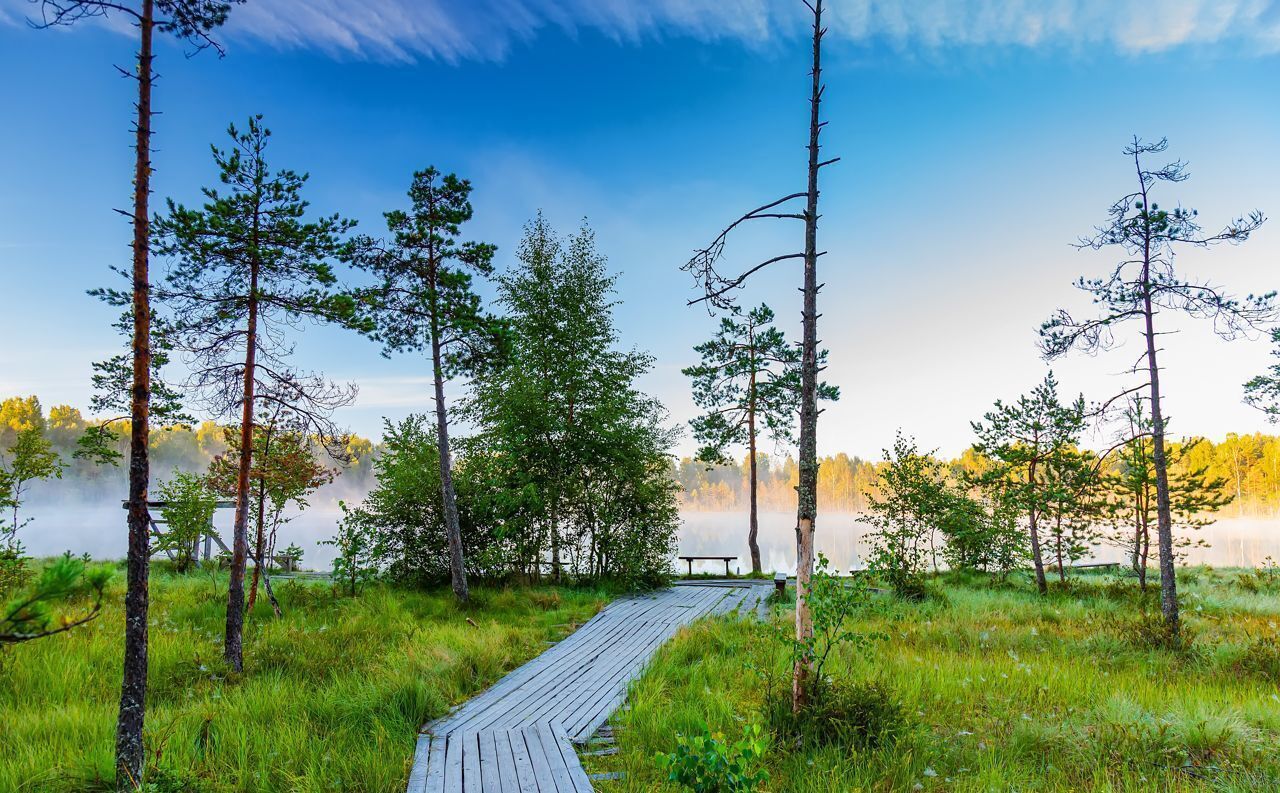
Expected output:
(93, 522)
(1233, 542)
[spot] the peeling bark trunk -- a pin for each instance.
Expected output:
(807, 506)
(753, 531)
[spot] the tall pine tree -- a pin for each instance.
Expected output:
(192, 22)
(246, 268)
(748, 383)
(1142, 285)
(425, 301)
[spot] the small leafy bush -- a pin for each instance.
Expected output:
(707, 763)
(863, 715)
(188, 515)
(14, 572)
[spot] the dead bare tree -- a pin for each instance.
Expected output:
(193, 22)
(718, 293)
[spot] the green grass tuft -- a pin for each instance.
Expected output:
(331, 698)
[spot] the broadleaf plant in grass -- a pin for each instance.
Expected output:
(425, 301)
(1144, 288)
(910, 498)
(188, 516)
(748, 384)
(356, 564)
(709, 763)
(245, 270)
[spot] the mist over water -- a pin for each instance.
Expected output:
(96, 525)
(1233, 542)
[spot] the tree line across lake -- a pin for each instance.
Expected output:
(1247, 463)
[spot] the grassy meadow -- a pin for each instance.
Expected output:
(998, 689)
(331, 698)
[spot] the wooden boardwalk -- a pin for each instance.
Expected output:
(519, 735)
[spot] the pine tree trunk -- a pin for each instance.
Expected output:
(453, 530)
(1062, 568)
(753, 533)
(1164, 518)
(130, 753)
(233, 649)
(807, 495)
(259, 545)
(1036, 556)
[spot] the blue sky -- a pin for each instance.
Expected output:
(978, 140)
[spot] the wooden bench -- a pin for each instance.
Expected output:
(780, 583)
(1088, 566)
(692, 559)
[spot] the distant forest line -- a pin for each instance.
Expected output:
(1249, 464)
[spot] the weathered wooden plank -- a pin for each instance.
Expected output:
(541, 763)
(555, 758)
(471, 780)
(453, 763)
(508, 781)
(577, 774)
(421, 761)
(490, 780)
(434, 780)
(520, 758)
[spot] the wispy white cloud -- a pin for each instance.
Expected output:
(453, 30)
(456, 30)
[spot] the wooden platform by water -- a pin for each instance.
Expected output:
(519, 736)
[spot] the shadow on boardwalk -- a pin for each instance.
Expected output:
(519, 735)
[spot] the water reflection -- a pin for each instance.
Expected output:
(1233, 542)
(100, 532)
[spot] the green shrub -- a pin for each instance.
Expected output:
(862, 715)
(707, 763)
(187, 514)
(1147, 630)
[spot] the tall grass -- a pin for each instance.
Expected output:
(1003, 690)
(331, 698)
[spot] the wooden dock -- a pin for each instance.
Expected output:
(519, 735)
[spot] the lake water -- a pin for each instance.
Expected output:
(100, 531)
(1233, 542)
